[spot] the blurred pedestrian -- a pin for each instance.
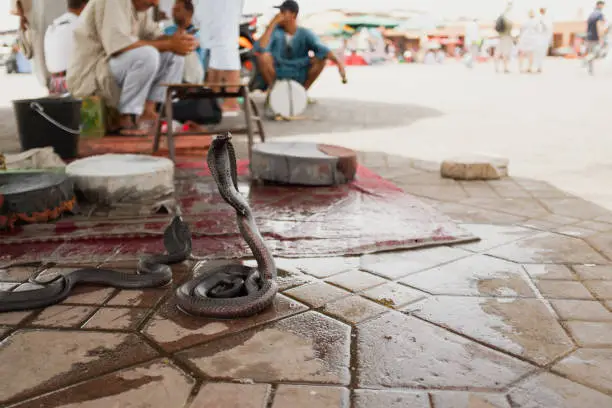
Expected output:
(472, 42)
(596, 24)
(529, 42)
(546, 37)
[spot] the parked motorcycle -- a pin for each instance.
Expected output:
(248, 28)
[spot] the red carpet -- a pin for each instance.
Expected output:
(368, 215)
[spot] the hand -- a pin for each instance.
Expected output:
(23, 23)
(183, 44)
(278, 18)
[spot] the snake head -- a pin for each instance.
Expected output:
(222, 138)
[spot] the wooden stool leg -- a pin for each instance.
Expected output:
(169, 120)
(158, 127)
(258, 121)
(249, 119)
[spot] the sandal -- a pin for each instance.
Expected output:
(133, 130)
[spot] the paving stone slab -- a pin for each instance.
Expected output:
(158, 384)
(594, 272)
(395, 350)
(319, 267)
(591, 367)
(137, 298)
(68, 357)
(356, 280)
(602, 242)
(393, 295)
(354, 309)
(581, 310)
(469, 400)
(549, 248)
(524, 327)
(558, 289)
(63, 316)
(591, 334)
(492, 236)
(317, 294)
(468, 213)
(574, 207)
(521, 207)
(116, 318)
(14, 318)
(549, 271)
(306, 396)
(477, 275)
(231, 395)
(309, 347)
(548, 390)
(391, 399)
(174, 330)
(397, 264)
(601, 289)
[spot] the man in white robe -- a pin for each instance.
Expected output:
(546, 37)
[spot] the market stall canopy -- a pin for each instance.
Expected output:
(336, 30)
(371, 21)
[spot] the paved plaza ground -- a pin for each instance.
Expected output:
(522, 318)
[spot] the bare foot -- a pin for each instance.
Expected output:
(128, 127)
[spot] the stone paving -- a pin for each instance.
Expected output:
(522, 318)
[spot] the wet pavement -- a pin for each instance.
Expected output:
(522, 318)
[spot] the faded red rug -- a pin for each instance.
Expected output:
(368, 215)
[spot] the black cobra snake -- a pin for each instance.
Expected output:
(227, 291)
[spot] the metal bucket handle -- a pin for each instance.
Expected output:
(37, 107)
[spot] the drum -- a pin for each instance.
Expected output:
(287, 98)
(112, 179)
(34, 197)
(302, 163)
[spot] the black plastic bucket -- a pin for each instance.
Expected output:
(51, 122)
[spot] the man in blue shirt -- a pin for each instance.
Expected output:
(594, 38)
(282, 52)
(182, 14)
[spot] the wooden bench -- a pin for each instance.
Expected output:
(253, 120)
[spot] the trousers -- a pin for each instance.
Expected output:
(140, 72)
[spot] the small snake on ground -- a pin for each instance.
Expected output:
(153, 271)
(226, 291)
(233, 289)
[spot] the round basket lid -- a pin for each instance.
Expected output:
(288, 98)
(15, 184)
(118, 165)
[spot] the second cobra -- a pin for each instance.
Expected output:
(232, 289)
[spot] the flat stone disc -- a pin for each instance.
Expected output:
(303, 163)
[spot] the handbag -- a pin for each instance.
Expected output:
(193, 107)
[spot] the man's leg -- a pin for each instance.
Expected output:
(170, 71)
(134, 70)
(315, 69)
(265, 68)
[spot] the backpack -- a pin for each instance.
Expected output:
(500, 24)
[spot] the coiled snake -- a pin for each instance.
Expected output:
(227, 291)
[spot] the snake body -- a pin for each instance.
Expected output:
(153, 271)
(227, 291)
(233, 289)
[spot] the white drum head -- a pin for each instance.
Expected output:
(288, 98)
(123, 178)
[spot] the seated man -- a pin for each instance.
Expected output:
(120, 54)
(182, 14)
(58, 45)
(282, 51)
